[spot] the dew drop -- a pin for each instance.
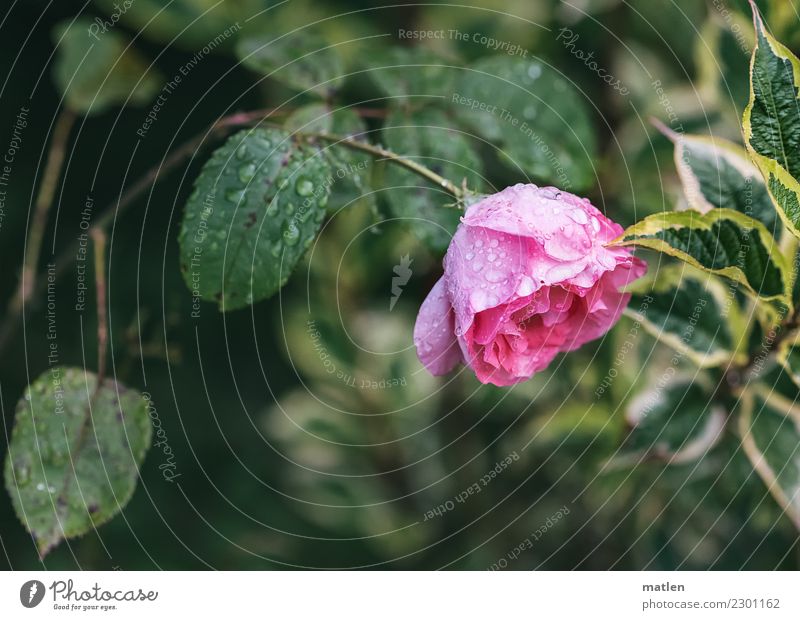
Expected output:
(247, 172)
(235, 195)
(291, 234)
(272, 209)
(241, 152)
(304, 186)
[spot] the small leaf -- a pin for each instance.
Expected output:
(771, 122)
(75, 454)
(721, 241)
(95, 73)
(306, 63)
(426, 137)
(535, 115)
(256, 208)
(692, 312)
(351, 170)
(676, 422)
(769, 426)
(718, 174)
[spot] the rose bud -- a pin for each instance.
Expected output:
(527, 275)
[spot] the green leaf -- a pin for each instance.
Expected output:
(718, 174)
(306, 63)
(537, 118)
(771, 122)
(411, 74)
(256, 207)
(426, 136)
(692, 312)
(721, 241)
(351, 170)
(193, 25)
(674, 422)
(75, 453)
(769, 426)
(96, 73)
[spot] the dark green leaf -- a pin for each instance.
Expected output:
(75, 453)
(426, 137)
(718, 174)
(411, 74)
(256, 207)
(351, 170)
(771, 122)
(721, 241)
(691, 311)
(769, 426)
(95, 73)
(304, 63)
(538, 119)
(675, 421)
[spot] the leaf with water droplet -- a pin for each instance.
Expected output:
(261, 205)
(539, 121)
(75, 452)
(426, 136)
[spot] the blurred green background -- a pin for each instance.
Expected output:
(283, 462)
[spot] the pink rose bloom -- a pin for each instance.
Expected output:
(526, 276)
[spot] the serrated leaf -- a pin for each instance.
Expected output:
(75, 454)
(351, 170)
(426, 136)
(537, 118)
(718, 174)
(95, 73)
(721, 241)
(771, 122)
(674, 422)
(257, 205)
(769, 426)
(692, 312)
(306, 63)
(410, 74)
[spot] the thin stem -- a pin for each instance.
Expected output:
(377, 151)
(44, 199)
(99, 238)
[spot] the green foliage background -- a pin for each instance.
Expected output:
(281, 462)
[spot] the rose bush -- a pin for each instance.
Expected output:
(527, 275)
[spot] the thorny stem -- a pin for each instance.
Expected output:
(28, 289)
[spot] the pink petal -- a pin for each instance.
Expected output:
(434, 332)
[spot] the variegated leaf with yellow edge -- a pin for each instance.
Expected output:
(769, 427)
(722, 242)
(771, 121)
